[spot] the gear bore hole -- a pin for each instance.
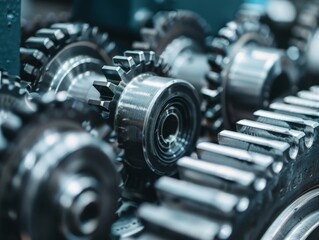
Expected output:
(170, 128)
(89, 218)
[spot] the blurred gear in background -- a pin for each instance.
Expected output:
(57, 181)
(205, 130)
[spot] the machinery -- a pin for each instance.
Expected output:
(159, 120)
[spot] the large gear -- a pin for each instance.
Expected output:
(66, 57)
(179, 37)
(260, 182)
(54, 172)
(246, 73)
(156, 118)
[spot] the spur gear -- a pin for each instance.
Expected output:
(57, 181)
(305, 34)
(66, 57)
(260, 182)
(156, 118)
(246, 73)
(14, 92)
(179, 37)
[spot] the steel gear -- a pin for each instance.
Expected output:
(179, 37)
(156, 118)
(303, 45)
(246, 73)
(260, 182)
(57, 181)
(14, 92)
(66, 57)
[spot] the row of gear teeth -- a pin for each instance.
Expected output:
(227, 191)
(125, 68)
(47, 42)
(170, 25)
(230, 40)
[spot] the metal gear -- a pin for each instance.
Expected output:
(13, 92)
(57, 181)
(305, 34)
(260, 182)
(246, 73)
(66, 57)
(156, 118)
(179, 37)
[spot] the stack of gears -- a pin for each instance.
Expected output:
(188, 135)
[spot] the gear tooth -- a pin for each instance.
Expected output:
(138, 56)
(106, 89)
(103, 105)
(228, 34)
(113, 74)
(56, 35)
(213, 79)
(44, 44)
(220, 46)
(253, 143)
(149, 35)
(124, 62)
(261, 164)
(211, 95)
(29, 72)
(216, 62)
(310, 95)
(69, 29)
(315, 89)
(296, 139)
(220, 175)
(301, 102)
(189, 194)
(161, 219)
(33, 56)
(293, 110)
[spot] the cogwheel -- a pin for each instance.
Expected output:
(179, 37)
(246, 74)
(260, 182)
(57, 181)
(156, 118)
(66, 57)
(13, 92)
(303, 46)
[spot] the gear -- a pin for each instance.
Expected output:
(303, 45)
(246, 74)
(57, 181)
(179, 37)
(156, 119)
(260, 182)
(66, 57)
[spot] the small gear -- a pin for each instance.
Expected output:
(156, 118)
(66, 57)
(57, 181)
(246, 73)
(179, 37)
(260, 182)
(14, 92)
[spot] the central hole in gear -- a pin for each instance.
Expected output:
(90, 214)
(170, 128)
